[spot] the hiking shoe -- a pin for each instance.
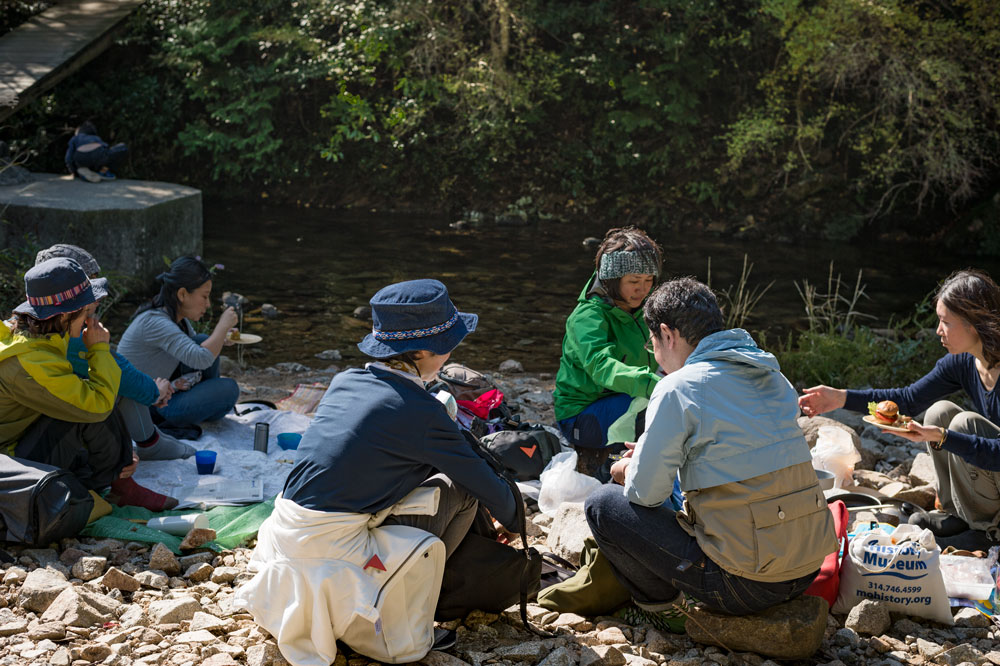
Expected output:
(672, 618)
(107, 175)
(88, 175)
(444, 639)
(940, 523)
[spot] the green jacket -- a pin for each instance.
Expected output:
(602, 354)
(36, 380)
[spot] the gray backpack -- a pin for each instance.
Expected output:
(40, 504)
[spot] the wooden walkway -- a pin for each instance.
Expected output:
(54, 44)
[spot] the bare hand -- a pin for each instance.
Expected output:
(181, 384)
(94, 332)
(819, 399)
(228, 319)
(918, 433)
(619, 468)
(165, 389)
(228, 342)
(129, 470)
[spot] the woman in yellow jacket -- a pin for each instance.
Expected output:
(48, 414)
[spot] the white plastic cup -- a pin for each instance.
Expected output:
(179, 525)
(448, 400)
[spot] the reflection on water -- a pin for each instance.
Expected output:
(318, 266)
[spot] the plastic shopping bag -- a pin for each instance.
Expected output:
(562, 483)
(835, 452)
(901, 569)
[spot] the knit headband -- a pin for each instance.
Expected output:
(619, 264)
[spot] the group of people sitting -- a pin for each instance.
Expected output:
(716, 500)
(68, 402)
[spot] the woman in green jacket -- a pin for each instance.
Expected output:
(605, 363)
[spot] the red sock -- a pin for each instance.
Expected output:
(130, 493)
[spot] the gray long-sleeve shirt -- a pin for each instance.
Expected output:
(156, 345)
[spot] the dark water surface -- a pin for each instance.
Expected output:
(318, 266)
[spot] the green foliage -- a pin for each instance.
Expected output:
(14, 262)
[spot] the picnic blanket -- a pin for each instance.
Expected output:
(304, 399)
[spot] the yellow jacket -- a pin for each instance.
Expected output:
(37, 380)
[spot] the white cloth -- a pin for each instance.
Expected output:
(317, 581)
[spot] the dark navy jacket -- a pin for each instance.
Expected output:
(378, 435)
(954, 372)
(76, 141)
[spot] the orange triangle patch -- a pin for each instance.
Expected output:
(375, 563)
(529, 451)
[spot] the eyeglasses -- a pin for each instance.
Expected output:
(649, 344)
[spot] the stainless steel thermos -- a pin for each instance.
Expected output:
(260, 437)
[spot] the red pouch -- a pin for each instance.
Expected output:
(827, 581)
(482, 405)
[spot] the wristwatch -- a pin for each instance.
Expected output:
(944, 437)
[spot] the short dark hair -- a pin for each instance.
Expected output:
(626, 238)
(974, 296)
(41, 328)
(686, 305)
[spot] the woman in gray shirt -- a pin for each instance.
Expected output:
(161, 342)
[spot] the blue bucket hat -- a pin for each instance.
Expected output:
(415, 315)
(55, 287)
(80, 256)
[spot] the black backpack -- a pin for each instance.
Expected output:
(484, 574)
(524, 452)
(40, 504)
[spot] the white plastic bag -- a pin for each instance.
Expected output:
(562, 483)
(835, 452)
(902, 570)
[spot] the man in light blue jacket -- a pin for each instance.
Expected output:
(755, 527)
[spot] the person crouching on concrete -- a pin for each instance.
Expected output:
(50, 415)
(89, 157)
(755, 527)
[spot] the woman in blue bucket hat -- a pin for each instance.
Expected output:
(48, 415)
(379, 446)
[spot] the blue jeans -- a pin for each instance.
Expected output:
(208, 400)
(654, 559)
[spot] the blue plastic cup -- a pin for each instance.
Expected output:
(205, 460)
(289, 441)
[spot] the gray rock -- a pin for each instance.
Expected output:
(591, 243)
(89, 568)
(263, 655)
(922, 496)
(928, 649)
(14, 174)
(970, 617)
(269, 311)
(961, 654)
(846, 637)
(95, 653)
(44, 556)
(569, 529)
(663, 643)
(329, 355)
(539, 398)
(102, 602)
(792, 630)
(11, 624)
(871, 452)
(869, 617)
(154, 579)
(510, 367)
(14, 576)
(71, 609)
(133, 616)
(362, 312)
(224, 574)
(55, 631)
(438, 658)
(195, 558)
(558, 657)
(292, 367)
(601, 655)
(531, 652)
(198, 573)
(172, 611)
(922, 470)
(161, 559)
(40, 588)
(116, 579)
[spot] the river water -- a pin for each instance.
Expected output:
(317, 266)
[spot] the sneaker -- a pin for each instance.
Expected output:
(444, 639)
(107, 175)
(88, 175)
(673, 618)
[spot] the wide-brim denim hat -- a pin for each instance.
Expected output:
(80, 256)
(415, 315)
(54, 287)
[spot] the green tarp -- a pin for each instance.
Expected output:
(233, 525)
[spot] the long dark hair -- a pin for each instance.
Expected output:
(187, 272)
(974, 296)
(626, 238)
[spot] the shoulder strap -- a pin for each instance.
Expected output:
(501, 471)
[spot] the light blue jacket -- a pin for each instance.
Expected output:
(728, 415)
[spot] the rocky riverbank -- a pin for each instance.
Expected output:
(118, 603)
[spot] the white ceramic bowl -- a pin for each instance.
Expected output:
(825, 479)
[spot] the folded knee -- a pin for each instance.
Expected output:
(941, 413)
(964, 422)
